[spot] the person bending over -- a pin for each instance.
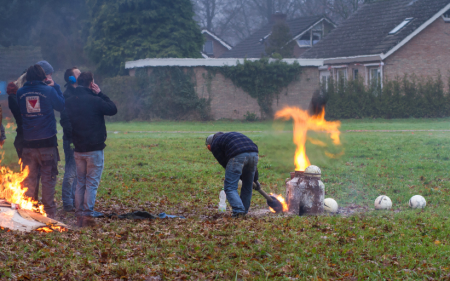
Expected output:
(239, 156)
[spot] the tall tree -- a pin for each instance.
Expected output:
(124, 30)
(280, 41)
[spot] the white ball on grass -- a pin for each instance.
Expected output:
(417, 202)
(383, 203)
(330, 205)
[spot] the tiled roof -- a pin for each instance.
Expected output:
(14, 60)
(367, 31)
(251, 47)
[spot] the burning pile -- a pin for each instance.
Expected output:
(19, 212)
(305, 191)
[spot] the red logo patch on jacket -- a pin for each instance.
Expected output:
(33, 104)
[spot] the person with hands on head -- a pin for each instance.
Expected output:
(70, 174)
(86, 109)
(238, 154)
(37, 102)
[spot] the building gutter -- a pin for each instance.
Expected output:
(188, 62)
(354, 59)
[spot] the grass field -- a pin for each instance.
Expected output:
(164, 167)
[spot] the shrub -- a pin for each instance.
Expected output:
(399, 98)
(250, 117)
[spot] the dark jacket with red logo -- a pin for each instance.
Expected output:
(37, 102)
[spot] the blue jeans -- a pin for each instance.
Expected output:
(243, 164)
(69, 183)
(89, 172)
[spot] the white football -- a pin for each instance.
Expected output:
(239, 184)
(330, 205)
(383, 203)
(417, 202)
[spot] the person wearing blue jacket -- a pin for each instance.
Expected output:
(37, 100)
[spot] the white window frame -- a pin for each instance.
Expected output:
(345, 71)
(446, 16)
(370, 70)
(212, 48)
(401, 26)
(325, 74)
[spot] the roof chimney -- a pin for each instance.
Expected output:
(278, 17)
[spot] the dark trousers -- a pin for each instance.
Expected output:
(69, 183)
(18, 144)
(45, 161)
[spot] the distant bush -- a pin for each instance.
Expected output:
(400, 98)
(250, 117)
(168, 93)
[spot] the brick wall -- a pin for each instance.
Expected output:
(424, 55)
(231, 102)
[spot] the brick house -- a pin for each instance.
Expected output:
(306, 32)
(214, 46)
(386, 39)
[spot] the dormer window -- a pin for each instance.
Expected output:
(305, 40)
(400, 26)
(208, 48)
(446, 16)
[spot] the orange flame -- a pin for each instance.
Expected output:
(282, 201)
(51, 228)
(304, 122)
(12, 191)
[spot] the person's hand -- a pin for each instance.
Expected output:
(95, 88)
(2, 142)
(49, 81)
(256, 185)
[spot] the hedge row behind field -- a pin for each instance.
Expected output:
(400, 98)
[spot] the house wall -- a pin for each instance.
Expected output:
(231, 102)
(424, 55)
(218, 49)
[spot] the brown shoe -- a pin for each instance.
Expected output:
(88, 221)
(80, 221)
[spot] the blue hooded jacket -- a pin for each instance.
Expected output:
(37, 101)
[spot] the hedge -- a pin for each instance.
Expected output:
(399, 98)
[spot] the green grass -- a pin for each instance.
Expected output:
(174, 173)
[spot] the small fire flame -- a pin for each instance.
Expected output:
(10, 124)
(51, 228)
(282, 201)
(304, 122)
(12, 191)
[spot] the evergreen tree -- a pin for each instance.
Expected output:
(123, 30)
(280, 42)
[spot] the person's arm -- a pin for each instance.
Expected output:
(66, 125)
(57, 100)
(58, 89)
(107, 106)
(14, 107)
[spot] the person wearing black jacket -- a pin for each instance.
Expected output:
(86, 109)
(69, 182)
(238, 154)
